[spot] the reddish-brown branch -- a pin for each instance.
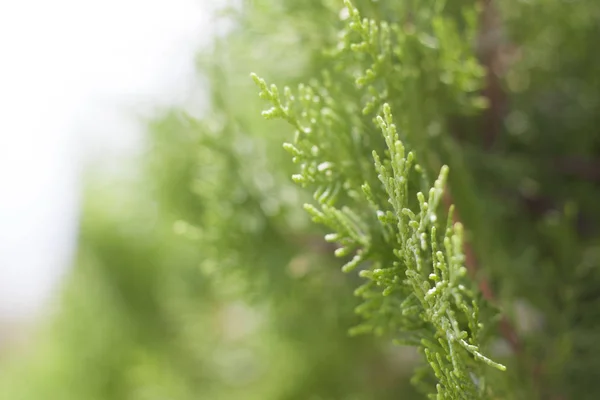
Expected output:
(491, 49)
(490, 57)
(580, 167)
(496, 55)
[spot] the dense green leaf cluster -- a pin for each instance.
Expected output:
(417, 283)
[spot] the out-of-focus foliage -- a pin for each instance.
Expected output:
(201, 277)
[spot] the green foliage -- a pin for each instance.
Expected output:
(202, 276)
(423, 290)
(416, 278)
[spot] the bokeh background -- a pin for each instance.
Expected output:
(76, 79)
(153, 245)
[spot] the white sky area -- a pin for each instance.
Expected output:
(73, 73)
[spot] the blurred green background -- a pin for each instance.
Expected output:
(199, 276)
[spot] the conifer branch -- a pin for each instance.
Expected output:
(417, 288)
(425, 276)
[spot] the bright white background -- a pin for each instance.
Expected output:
(73, 73)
